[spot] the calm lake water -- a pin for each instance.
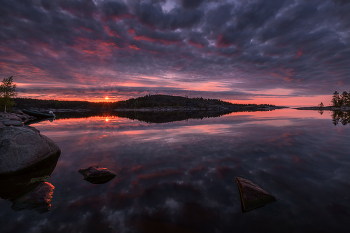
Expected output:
(180, 176)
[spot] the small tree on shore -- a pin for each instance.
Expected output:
(321, 105)
(7, 91)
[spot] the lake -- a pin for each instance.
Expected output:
(180, 176)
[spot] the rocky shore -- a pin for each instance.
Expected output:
(27, 159)
(22, 146)
(15, 119)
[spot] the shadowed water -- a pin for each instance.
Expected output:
(180, 176)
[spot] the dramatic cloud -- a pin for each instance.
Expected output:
(201, 47)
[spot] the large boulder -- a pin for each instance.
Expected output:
(252, 196)
(21, 148)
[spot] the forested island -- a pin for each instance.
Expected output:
(338, 102)
(145, 103)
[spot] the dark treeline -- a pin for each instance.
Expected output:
(25, 103)
(140, 102)
(339, 100)
(174, 101)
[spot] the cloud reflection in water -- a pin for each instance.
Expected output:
(179, 176)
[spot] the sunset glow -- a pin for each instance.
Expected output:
(116, 50)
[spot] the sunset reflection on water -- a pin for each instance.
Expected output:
(179, 176)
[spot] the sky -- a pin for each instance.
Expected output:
(284, 52)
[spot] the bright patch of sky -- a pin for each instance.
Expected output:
(168, 6)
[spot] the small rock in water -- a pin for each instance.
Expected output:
(97, 175)
(39, 199)
(252, 196)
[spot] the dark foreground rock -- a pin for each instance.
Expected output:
(21, 148)
(252, 196)
(97, 175)
(39, 199)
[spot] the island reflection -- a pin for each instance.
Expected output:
(148, 116)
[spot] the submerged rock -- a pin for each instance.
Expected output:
(252, 196)
(97, 175)
(21, 148)
(39, 199)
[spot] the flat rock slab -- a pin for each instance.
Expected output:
(252, 196)
(39, 199)
(1, 125)
(13, 123)
(21, 148)
(97, 175)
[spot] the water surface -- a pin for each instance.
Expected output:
(180, 176)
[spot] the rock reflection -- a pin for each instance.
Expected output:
(28, 189)
(38, 199)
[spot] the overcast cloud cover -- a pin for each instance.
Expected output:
(233, 49)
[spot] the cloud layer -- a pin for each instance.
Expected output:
(237, 49)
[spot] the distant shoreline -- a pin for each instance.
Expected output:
(148, 103)
(164, 109)
(331, 108)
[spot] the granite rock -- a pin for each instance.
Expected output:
(13, 123)
(97, 175)
(21, 148)
(252, 196)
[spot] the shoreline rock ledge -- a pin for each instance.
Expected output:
(22, 147)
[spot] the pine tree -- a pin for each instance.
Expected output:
(7, 91)
(336, 99)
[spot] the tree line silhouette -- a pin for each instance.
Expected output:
(339, 100)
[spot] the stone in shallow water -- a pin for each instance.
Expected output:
(252, 196)
(39, 199)
(97, 175)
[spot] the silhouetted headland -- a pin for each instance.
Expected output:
(148, 103)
